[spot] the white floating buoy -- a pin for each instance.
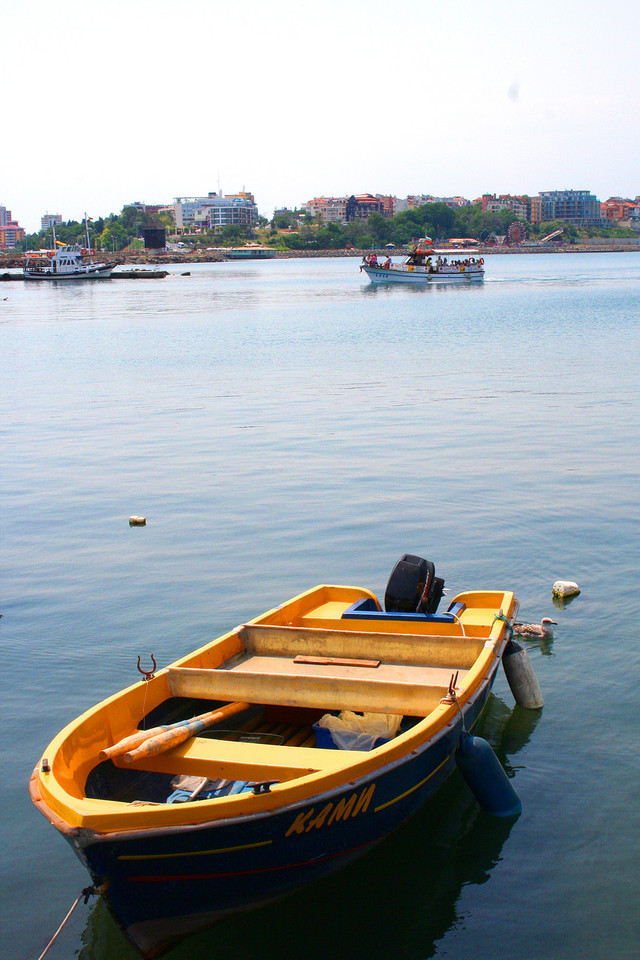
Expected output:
(521, 677)
(565, 588)
(137, 521)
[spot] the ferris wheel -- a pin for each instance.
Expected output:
(516, 233)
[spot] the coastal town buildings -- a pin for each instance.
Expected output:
(360, 206)
(11, 233)
(414, 201)
(580, 208)
(215, 211)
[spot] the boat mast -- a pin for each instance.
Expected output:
(86, 231)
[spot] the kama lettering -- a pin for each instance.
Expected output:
(332, 812)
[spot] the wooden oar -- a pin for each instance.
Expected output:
(171, 738)
(136, 739)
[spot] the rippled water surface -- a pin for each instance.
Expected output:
(282, 424)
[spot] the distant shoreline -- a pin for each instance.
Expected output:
(12, 262)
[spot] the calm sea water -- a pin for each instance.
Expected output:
(282, 424)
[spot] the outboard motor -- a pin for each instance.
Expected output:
(413, 586)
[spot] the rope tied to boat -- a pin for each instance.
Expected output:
(86, 893)
(501, 616)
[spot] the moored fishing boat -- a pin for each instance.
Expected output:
(214, 784)
(425, 264)
(67, 261)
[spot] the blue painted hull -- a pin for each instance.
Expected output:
(162, 885)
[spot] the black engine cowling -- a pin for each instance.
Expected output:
(413, 586)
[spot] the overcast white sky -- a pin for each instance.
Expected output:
(107, 103)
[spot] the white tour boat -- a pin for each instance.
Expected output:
(427, 265)
(67, 261)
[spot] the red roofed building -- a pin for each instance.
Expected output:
(616, 209)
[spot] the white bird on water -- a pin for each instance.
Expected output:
(542, 629)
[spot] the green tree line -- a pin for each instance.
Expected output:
(114, 232)
(297, 230)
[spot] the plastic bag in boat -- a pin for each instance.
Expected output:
(360, 731)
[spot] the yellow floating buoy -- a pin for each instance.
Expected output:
(137, 521)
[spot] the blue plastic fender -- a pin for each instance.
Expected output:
(486, 777)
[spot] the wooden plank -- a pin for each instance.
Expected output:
(268, 640)
(339, 693)
(336, 661)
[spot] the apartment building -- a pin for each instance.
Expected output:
(346, 209)
(579, 207)
(519, 206)
(50, 220)
(11, 233)
(215, 211)
(360, 206)
(328, 209)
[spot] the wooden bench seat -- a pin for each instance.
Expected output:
(389, 647)
(202, 757)
(412, 676)
(299, 686)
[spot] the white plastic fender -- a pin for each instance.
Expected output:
(521, 677)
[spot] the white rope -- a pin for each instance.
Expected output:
(59, 930)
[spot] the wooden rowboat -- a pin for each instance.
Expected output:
(189, 823)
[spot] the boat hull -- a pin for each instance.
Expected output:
(249, 254)
(165, 884)
(97, 273)
(400, 274)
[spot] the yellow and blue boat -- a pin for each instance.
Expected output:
(215, 784)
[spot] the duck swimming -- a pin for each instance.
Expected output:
(542, 629)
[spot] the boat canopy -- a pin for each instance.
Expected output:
(461, 240)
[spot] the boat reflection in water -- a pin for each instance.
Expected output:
(399, 900)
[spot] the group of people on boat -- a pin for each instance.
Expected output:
(420, 258)
(469, 262)
(371, 260)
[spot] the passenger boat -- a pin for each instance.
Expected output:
(424, 264)
(251, 251)
(65, 262)
(242, 795)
